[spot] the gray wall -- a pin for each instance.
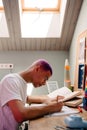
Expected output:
(80, 27)
(21, 60)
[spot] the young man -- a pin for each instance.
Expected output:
(13, 96)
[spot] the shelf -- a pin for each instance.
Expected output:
(81, 59)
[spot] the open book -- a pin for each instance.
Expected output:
(72, 99)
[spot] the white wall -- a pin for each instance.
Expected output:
(21, 60)
(80, 27)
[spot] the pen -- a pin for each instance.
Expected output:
(59, 128)
(79, 108)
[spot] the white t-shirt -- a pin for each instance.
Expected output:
(12, 86)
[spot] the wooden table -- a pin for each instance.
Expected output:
(49, 123)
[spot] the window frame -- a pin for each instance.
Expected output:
(1, 7)
(57, 9)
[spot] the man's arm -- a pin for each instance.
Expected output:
(22, 113)
(43, 99)
(37, 99)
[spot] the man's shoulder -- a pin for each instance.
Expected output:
(8, 76)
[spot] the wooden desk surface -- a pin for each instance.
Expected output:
(49, 123)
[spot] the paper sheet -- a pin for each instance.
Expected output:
(65, 110)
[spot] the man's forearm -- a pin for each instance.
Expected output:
(35, 111)
(37, 99)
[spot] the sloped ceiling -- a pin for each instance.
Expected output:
(16, 43)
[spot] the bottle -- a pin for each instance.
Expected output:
(67, 82)
(85, 96)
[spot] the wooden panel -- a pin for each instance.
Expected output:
(15, 17)
(18, 44)
(58, 44)
(74, 17)
(37, 42)
(5, 45)
(8, 16)
(67, 25)
(12, 43)
(43, 43)
(1, 47)
(28, 44)
(47, 44)
(22, 44)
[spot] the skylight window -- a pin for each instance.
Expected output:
(41, 5)
(42, 18)
(3, 24)
(1, 5)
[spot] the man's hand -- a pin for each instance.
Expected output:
(55, 107)
(56, 99)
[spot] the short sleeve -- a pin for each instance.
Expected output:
(9, 91)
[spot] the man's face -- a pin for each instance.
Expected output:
(41, 77)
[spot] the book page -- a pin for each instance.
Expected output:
(71, 95)
(66, 92)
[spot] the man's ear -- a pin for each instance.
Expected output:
(37, 68)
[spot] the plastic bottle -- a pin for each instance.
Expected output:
(67, 81)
